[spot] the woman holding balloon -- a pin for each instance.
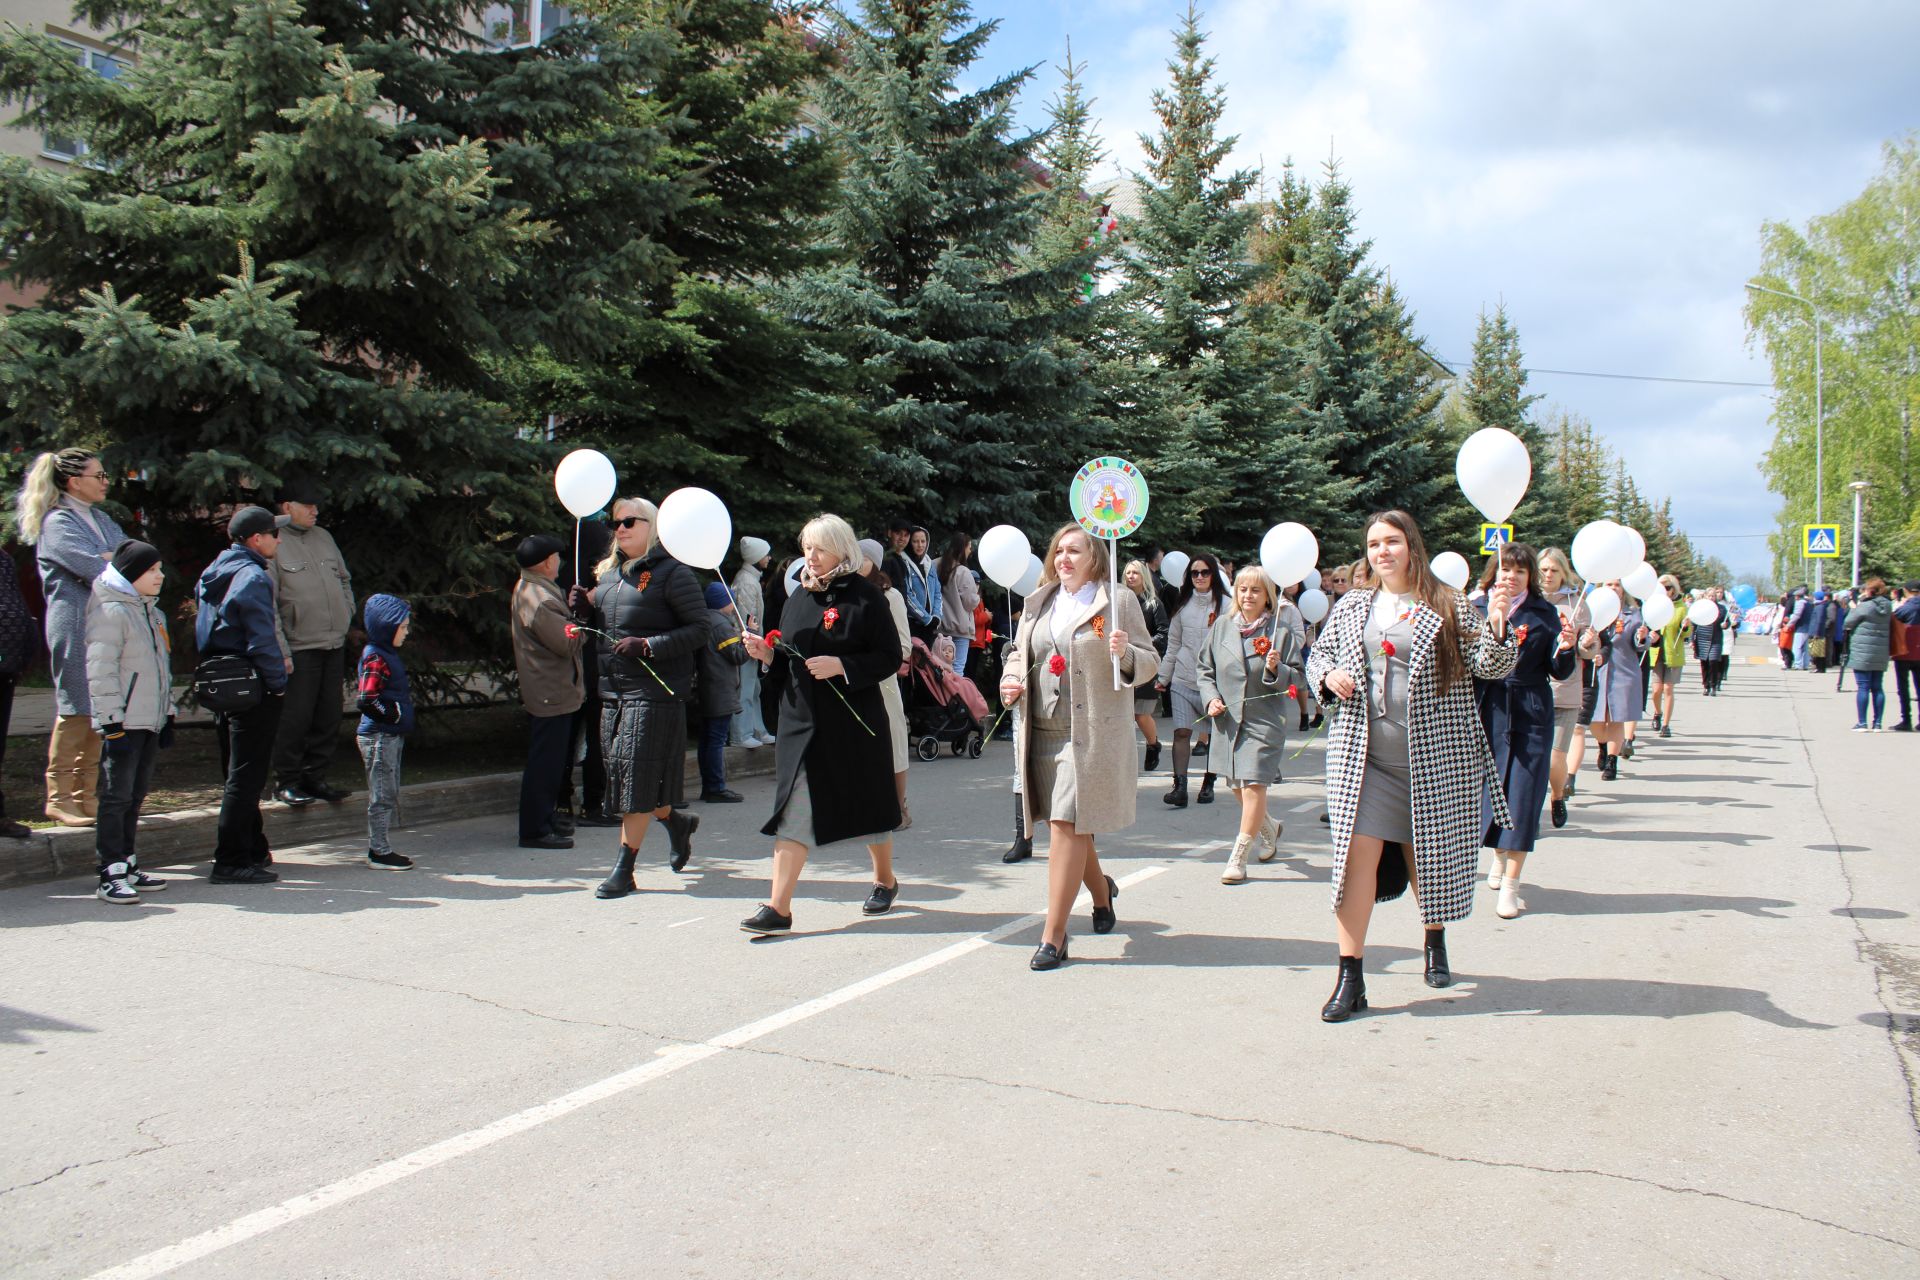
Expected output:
(1561, 589)
(1407, 760)
(1623, 636)
(1709, 617)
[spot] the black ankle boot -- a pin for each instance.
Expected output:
(1153, 757)
(1438, 974)
(620, 883)
(1206, 791)
(1610, 768)
(1349, 992)
(680, 829)
(1022, 842)
(1178, 796)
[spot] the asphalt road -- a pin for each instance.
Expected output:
(1694, 1055)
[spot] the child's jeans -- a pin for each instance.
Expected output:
(126, 766)
(381, 751)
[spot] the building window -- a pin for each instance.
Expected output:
(101, 64)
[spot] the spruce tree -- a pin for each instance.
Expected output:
(934, 295)
(1496, 396)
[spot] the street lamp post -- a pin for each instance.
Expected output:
(1819, 418)
(1859, 487)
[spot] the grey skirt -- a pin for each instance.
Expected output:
(1386, 789)
(1050, 782)
(644, 744)
(796, 820)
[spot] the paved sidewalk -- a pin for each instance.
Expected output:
(1693, 1056)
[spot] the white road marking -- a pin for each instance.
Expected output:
(695, 920)
(669, 1060)
(1304, 805)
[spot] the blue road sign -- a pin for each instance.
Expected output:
(1820, 541)
(1492, 535)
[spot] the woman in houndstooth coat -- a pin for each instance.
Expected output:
(1406, 757)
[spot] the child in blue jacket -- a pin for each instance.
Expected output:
(386, 717)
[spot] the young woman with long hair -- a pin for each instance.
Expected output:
(1561, 589)
(1203, 599)
(1137, 578)
(959, 594)
(1407, 759)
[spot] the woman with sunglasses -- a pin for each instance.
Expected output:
(1203, 599)
(73, 539)
(656, 613)
(1710, 645)
(1669, 658)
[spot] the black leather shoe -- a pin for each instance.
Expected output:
(1205, 795)
(767, 920)
(1103, 917)
(1153, 757)
(1610, 771)
(1438, 974)
(591, 819)
(1559, 813)
(1048, 956)
(1021, 851)
(1570, 787)
(880, 901)
(562, 823)
(727, 796)
(680, 829)
(242, 875)
(332, 795)
(292, 795)
(551, 840)
(1176, 797)
(1349, 992)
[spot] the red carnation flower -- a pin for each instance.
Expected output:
(1520, 636)
(830, 617)
(1293, 691)
(1386, 648)
(573, 630)
(1057, 664)
(772, 637)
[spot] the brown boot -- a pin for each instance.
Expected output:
(86, 780)
(65, 751)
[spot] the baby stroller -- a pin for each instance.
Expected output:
(938, 709)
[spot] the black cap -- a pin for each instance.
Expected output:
(537, 547)
(248, 521)
(132, 559)
(298, 487)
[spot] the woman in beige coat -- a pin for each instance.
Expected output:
(1075, 742)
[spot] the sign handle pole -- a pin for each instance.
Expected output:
(1113, 601)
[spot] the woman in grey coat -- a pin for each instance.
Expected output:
(1247, 667)
(1869, 631)
(1617, 681)
(72, 541)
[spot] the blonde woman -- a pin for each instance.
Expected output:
(1561, 589)
(1251, 658)
(1669, 657)
(1074, 747)
(72, 539)
(652, 606)
(833, 764)
(1146, 699)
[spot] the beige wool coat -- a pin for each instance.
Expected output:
(1104, 764)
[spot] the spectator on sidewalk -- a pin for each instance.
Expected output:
(314, 593)
(72, 540)
(1869, 631)
(1837, 635)
(750, 726)
(870, 558)
(130, 687)
(1801, 620)
(1906, 657)
(546, 655)
(386, 718)
(237, 615)
(959, 593)
(721, 661)
(921, 588)
(19, 644)
(1819, 624)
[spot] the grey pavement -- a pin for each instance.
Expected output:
(1695, 1055)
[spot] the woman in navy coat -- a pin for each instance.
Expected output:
(1517, 713)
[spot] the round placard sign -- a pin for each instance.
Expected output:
(1109, 497)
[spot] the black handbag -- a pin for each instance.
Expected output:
(227, 682)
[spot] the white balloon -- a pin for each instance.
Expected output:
(695, 528)
(1287, 552)
(1604, 606)
(1604, 551)
(1494, 470)
(1312, 581)
(1003, 554)
(1703, 613)
(1657, 612)
(1030, 579)
(1639, 544)
(1451, 568)
(1313, 604)
(1643, 580)
(584, 481)
(793, 573)
(1173, 567)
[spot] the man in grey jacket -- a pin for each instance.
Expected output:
(315, 594)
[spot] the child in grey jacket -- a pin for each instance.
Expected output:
(130, 682)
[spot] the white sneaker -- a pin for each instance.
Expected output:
(115, 888)
(750, 742)
(766, 739)
(1235, 871)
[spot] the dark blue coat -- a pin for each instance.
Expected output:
(237, 613)
(1517, 713)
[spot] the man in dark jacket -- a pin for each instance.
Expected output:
(237, 615)
(719, 682)
(1907, 670)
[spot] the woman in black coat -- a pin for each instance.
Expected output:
(1517, 712)
(833, 761)
(652, 608)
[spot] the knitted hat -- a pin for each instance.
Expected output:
(873, 551)
(717, 597)
(754, 550)
(537, 547)
(132, 558)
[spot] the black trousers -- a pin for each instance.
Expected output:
(1906, 673)
(593, 771)
(246, 753)
(310, 722)
(6, 722)
(126, 768)
(545, 772)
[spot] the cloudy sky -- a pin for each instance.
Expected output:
(1603, 169)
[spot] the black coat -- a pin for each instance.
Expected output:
(669, 611)
(849, 769)
(1517, 713)
(720, 661)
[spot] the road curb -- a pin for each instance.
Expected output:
(187, 835)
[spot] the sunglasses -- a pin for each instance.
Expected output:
(627, 522)
(1201, 573)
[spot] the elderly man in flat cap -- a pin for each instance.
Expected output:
(315, 596)
(546, 652)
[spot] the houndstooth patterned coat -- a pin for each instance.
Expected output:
(1449, 758)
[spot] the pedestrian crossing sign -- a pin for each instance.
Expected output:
(1820, 541)
(1492, 535)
